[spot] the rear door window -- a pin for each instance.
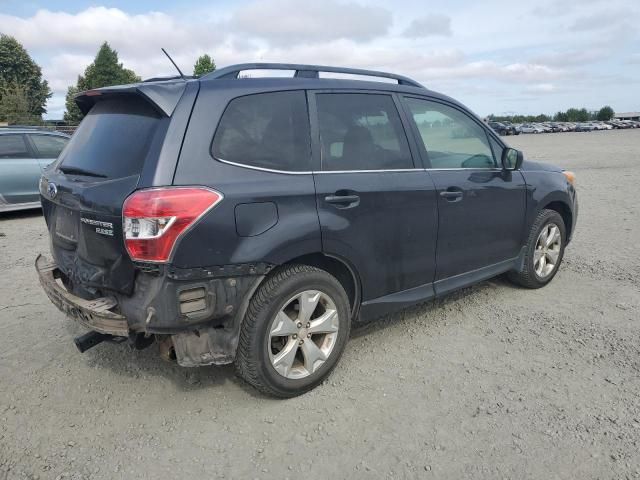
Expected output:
(114, 139)
(13, 146)
(266, 130)
(49, 146)
(361, 131)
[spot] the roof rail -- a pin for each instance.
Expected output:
(307, 71)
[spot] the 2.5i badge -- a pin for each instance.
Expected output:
(103, 228)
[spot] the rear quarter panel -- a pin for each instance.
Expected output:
(215, 240)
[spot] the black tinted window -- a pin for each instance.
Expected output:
(452, 139)
(361, 132)
(13, 146)
(267, 130)
(49, 146)
(113, 139)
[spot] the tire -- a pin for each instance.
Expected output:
(531, 275)
(262, 359)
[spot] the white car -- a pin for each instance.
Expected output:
(528, 128)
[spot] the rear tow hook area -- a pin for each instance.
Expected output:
(91, 339)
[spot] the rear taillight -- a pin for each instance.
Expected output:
(154, 220)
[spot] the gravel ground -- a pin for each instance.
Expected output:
(491, 382)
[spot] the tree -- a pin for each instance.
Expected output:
(605, 113)
(103, 72)
(15, 107)
(17, 68)
(561, 117)
(72, 114)
(575, 115)
(203, 65)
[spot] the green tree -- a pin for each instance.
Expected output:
(15, 107)
(18, 68)
(605, 113)
(103, 72)
(577, 115)
(203, 65)
(561, 117)
(72, 114)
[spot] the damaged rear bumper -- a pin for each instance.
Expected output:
(200, 328)
(94, 314)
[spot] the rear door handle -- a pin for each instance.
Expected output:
(343, 201)
(452, 195)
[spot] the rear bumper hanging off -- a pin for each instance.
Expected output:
(94, 314)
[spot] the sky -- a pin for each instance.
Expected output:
(495, 56)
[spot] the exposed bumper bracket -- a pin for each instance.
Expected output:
(94, 314)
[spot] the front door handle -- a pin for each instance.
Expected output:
(343, 201)
(452, 195)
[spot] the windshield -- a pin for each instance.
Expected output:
(113, 140)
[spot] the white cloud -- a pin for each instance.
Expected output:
(601, 20)
(289, 21)
(496, 52)
(89, 28)
(541, 88)
(431, 25)
(587, 54)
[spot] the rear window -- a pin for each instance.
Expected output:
(113, 139)
(49, 146)
(266, 130)
(13, 146)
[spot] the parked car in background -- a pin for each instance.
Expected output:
(585, 127)
(530, 128)
(514, 129)
(24, 153)
(500, 128)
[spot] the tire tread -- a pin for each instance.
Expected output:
(246, 367)
(527, 277)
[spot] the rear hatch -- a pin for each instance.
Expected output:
(84, 190)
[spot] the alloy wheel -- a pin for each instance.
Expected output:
(547, 252)
(302, 334)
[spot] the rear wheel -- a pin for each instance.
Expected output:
(294, 332)
(544, 251)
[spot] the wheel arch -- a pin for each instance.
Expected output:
(565, 212)
(344, 272)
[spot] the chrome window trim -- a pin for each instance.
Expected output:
(262, 169)
(371, 171)
(479, 169)
(331, 172)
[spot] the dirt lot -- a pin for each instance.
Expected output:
(492, 382)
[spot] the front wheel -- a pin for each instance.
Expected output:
(294, 332)
(544, 251)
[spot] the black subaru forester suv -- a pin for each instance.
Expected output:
(251, 220)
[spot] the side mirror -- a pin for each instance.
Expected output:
(511, 159)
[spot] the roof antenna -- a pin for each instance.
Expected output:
(174, 63)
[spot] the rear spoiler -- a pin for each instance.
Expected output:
(163, 96)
